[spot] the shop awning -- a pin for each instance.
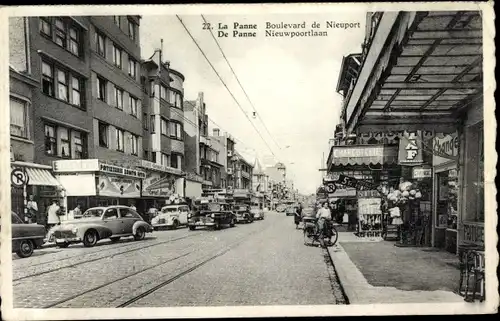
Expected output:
(38, 176)
(362, 155)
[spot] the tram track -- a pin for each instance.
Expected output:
(105, 256)
(162, 284)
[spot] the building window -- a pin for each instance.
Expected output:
(101, 88)
(62, 85)
(132, 67)
(152, 88)
(46, 26)
(131, 30)
(78, 143)
(100, 41)
(18, 119)
(60, 33)
(145, 155)
(117, 21)
(153, 125)
(103, 134)
(118, 98)
(163, 92)
(76, 98)
(176, 161)
(145, 121)
(117, 56)
(165, 161)
(164, 127)
(74, 41)
(133, 105)
(47, 79)
(50, 140)
(176, 130)
(178, 100)
(153, 157)
(119, 140)
(135, 144)
(64, 146)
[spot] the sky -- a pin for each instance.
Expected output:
(290, 81)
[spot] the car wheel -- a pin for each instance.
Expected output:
(90, 238)
(114, 239)
(175, 225)
(63, 245)
(140, 234)
(192, 228)
(25, 249)
(232, 223)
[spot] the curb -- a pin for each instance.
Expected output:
(349, 293)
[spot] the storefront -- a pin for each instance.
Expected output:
(91, 182)
(36, 180)
(159, 184)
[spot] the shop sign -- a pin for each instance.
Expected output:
(48, 191)
(360, 185)
(410, 149)
(113, 169)
(343, 191)
(389, 136)
(445, 148)
(116, 186)
(194, 177)
(160, 168)
(473, 233)
(76, 165)
(422, 172)
(366, 151)
(158, 184)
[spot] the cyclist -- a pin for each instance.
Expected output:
(324, 216)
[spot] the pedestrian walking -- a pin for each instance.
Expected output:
(32, 206)
(324, 216)
(298, 215)
(53, 219)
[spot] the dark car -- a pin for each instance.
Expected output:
(243, 214)
(290, 210)
(213, 215)
(26, 237)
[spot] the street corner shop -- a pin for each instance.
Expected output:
(91, 182)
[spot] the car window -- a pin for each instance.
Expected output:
(15, 219)
(111, 213)
(95, 212)
(128, 212)
(185, 209)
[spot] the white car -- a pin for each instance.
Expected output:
(171, 216)
(258, 213)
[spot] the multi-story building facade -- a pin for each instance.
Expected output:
(260, 184)
(243, 173)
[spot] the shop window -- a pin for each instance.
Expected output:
(119, 140)
(18, 118)
(134, 144)
(132, 68)
(46, 26)
(118, 97)
(101, 88)
(50, 140)
(132, 101)
(117, 56)
(103, 135)
(100, 41)
(164, 127)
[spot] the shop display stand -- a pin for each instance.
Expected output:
(390, 231)
(370, 225)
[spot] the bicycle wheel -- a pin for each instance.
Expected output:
(308, 236)
(335, 235)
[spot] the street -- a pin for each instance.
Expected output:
(261, 263)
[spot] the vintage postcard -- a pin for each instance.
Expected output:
(210, 161)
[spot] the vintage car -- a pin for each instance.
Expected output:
(171, 216)
(290, 210)
(213, 215)
(26, 237)
(243, 214)
(258, 213)
(281, 208)
(99, 223)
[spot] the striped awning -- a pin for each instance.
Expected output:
(38, 176)
(362, 155)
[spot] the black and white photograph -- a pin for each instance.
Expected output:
(180, 161)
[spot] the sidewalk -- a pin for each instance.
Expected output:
(376, 271)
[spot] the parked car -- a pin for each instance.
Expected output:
(258, 213)
(26, 237)
(212, 215)
(243, 214)
(280, 208)
(171, 216)
(97, 223)
(290, 211)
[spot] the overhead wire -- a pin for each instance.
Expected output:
(239, 83)
(227, 88)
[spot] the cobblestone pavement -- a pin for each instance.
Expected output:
(264, 262)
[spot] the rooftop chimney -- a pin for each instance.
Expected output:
(216, 131)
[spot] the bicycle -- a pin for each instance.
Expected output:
(312, 234)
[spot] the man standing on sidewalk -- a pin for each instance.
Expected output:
(32, 210)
